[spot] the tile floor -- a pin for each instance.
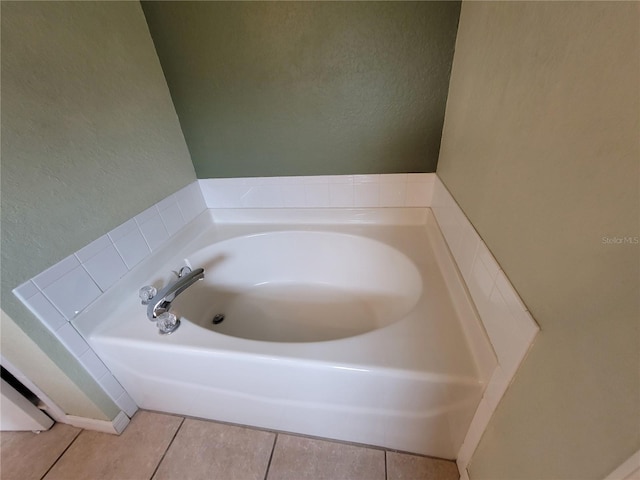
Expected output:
(161, 447)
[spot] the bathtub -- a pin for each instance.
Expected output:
(345, 324)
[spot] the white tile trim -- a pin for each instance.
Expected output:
(115, 426)
(188, 203)
(510, 327)
(400, 190)
(629, 470)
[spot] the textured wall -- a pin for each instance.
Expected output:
(89, 138)
(540, 149)
(28, 357)
(304, 88)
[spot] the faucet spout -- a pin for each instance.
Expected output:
(162, 301)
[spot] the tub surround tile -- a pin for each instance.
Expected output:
(122, 230)
(341, 194)
(402, 466)
(316, 195)
(393, 194)
(72, 292)
(95, 247)
(466, 251)
(510, 327)
(127, 404)
(132, 455)
(335, 179)
(154, 232)
(221, 193)
(504, 331)
(149, 214)
(301, 458)
(367, 194)
(418, 194)
(167, 202)
(59, 293)
(266, 196)
(490, 263)
(474, 434)
(71, 339)
(204, 450)
(320, 191)
(28, 456)
(512, 299)
(51, 274)
(106, 267)
(172, 219)
(44, 310)
(400, 177)
(495, 389)
(293, 195)
(132, 248)
(480, 286)
(25, 291)
(190, 201)
(111, 386)
(93, 364)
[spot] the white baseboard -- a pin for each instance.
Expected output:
(464, 475)
(115, 426)
(629, 470)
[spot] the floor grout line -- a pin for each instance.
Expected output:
(273, 449)
(167, 449)
(63, 452)
(302, 435)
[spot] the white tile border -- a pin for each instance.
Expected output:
(115, 426)
(321, 191)
(127, 244)
(629, 470)
(510, 327)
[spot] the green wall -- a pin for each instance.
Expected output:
(306, 88)
(540, 149)
(89, 139)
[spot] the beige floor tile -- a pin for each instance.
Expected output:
(27, 455)
(299, 458)
(402, 466)
(209, 450)
(131, 456)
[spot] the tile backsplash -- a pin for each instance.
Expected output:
(62, 291)
(322, 191)
(509, 325)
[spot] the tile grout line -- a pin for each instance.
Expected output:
(60, 456)
(164, 454)
(385, 465)
(273, 449)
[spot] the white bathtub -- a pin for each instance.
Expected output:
(338, 324)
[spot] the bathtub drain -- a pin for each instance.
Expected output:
(218, 318)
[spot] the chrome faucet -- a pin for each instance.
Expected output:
(161, 302)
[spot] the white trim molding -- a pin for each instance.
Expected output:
(115, 426)
(629, 470)
(509, 325)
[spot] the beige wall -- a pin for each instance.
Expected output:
(541, 150)
(33, 363)
(89, 139)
